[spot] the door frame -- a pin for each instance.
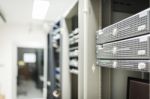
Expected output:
(14, 68)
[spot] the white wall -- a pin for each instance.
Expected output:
(12, 35)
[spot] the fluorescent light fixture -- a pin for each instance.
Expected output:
(40, 8)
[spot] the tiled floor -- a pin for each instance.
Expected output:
(28, 90)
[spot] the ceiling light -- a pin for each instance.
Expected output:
(40, 9)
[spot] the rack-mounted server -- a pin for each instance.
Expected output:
(136, 25)
(134, 48)
(137, 65)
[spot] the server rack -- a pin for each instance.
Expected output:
(119, 62)
(54, 62)
(74, 55)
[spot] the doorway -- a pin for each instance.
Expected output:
(30, 76)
